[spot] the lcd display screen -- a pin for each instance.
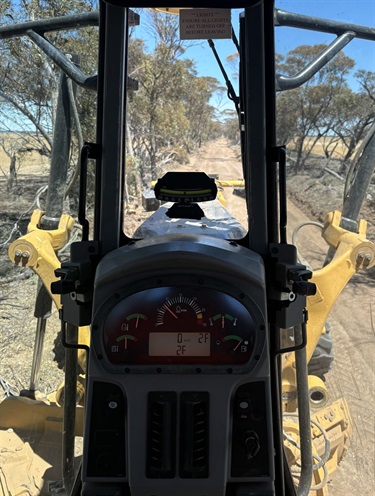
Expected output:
(179, 344)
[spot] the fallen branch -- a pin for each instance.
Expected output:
(14, 305)
(330, 171)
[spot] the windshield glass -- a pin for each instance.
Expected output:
(326, 124)
(183, 118)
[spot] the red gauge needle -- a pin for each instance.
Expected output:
(170, 311)
(237, 345)
(222, 321)
(136, 323)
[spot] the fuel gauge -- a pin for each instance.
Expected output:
(232, 342)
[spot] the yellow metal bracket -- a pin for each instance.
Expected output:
(332, 424)
(353, 252)
(38, 248)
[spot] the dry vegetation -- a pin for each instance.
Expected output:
(317, 191)
(335, 147)
(18, 286)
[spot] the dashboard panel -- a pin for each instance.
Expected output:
(179, 325)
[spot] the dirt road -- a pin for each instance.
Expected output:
(352, 323)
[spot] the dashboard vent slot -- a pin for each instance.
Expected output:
(194, 435)
(161, 435)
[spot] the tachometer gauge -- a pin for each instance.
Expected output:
(181, 312)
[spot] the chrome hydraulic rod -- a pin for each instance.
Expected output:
(303, 417)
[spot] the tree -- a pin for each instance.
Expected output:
(29, 80)
(15, 146)
(168, 117)
(367, 80)
(353, 114)
(170, 114)
(307, 112)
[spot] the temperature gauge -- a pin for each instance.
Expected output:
(127, 336)
(223, 321)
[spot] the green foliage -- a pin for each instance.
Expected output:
(231, 127)
(168, 117)
(324, 106)
(29, 80)
(170, 114)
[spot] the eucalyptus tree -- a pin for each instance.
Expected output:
(29, 79)
(170, 114)
(311, 106)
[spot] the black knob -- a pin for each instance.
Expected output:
(69, 277)
(252, 445)
(304, 288)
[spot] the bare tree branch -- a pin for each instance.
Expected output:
(27, 114)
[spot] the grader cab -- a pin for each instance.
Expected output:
(187, 344)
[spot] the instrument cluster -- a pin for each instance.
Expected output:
(179, 325)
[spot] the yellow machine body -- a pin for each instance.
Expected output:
(38, 250)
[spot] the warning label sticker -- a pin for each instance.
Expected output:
(205, 24)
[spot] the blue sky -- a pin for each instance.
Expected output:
(355, 11)
(360, 12)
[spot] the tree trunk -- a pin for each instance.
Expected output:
(12, 179)
(363, 173)
(300, 142)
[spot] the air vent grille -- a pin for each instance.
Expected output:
(194, 435)
(161, 435)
